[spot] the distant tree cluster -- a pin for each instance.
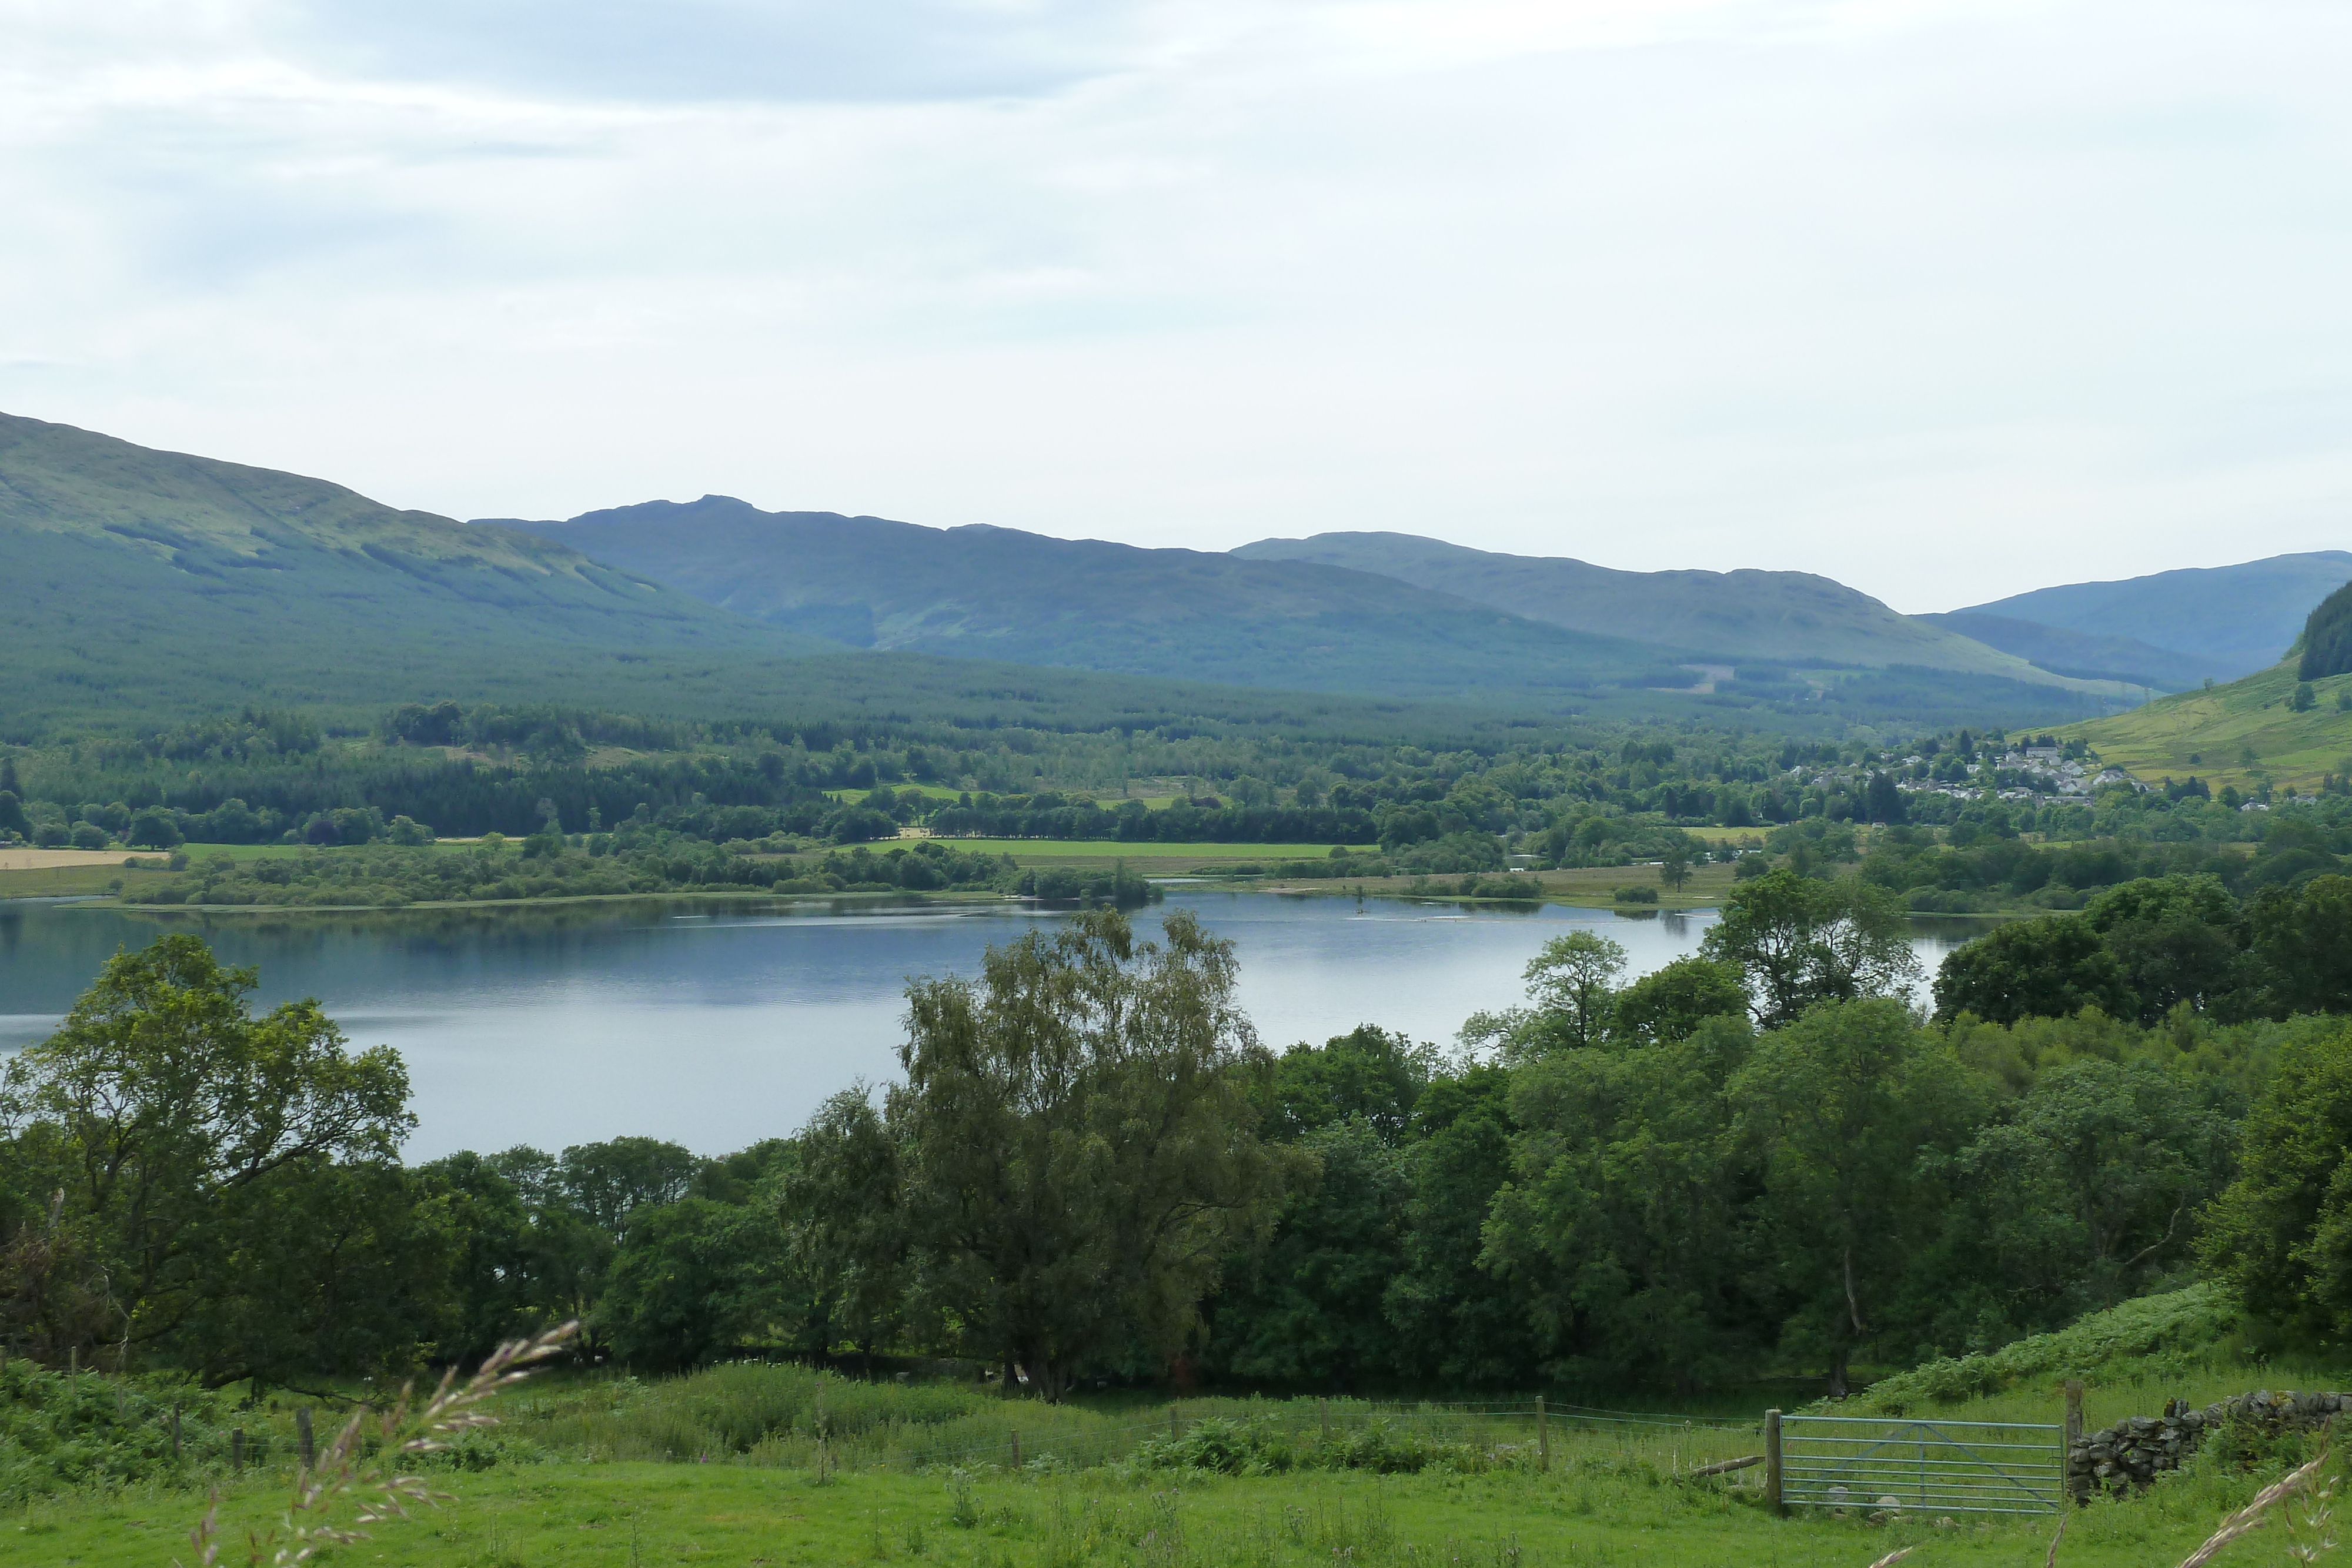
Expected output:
(548, 865)
(1592, 795)
(2145, 948)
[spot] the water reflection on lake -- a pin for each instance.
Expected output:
(716, 1024)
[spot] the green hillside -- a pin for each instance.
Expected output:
(2208, 732)
(2230, 620)
(1784, 616)
(999, 593)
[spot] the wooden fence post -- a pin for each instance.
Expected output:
(1175, 1432)
(1772, 1461)
(1016, 1450)
(2073, 1436)
(175, 1431)
(303, 1436)
(236, 1448)
(1543, 1436)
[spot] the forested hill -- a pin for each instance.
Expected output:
(1781, 616)
(1000, 593)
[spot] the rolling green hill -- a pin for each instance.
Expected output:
(988, 593)
(1732, 616)
(2208, 732)
(2230, 620)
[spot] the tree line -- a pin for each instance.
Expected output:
(1761, 1156)
(1584, 794)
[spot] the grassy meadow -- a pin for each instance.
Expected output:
(723, 1466)
(1593, 887)
(95, 874)
(1149, 859)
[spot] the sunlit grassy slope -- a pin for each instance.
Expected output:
(2208, 732)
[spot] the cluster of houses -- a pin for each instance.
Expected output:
(2039, 773)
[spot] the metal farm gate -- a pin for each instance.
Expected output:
(1923, 1467)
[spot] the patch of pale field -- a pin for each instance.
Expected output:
(51, 860)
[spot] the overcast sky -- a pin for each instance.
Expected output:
(1943, 300)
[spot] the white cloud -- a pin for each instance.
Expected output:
(1943, 300)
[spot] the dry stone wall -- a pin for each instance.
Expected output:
(2136, 1451)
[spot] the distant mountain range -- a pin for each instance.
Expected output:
(2165, 632)
(142, 588)
(999, 593)
(1397, 615)
(161, 582)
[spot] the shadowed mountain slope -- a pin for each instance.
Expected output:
(1776, 616)
(1000, 593)
(141, 588)
(2231, 620)
(2080, 654)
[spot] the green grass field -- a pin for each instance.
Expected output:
(1590, 886)
(76, 881)
(929, 791)
(96, 879)
(751, 1463)
(630, 1515)
(1149, 857)
(1601, 1503)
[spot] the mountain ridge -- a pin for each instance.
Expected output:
(2230, 620)
(981, 590)
(1752, 613)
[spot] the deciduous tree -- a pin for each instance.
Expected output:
(1802, 941)
(1838, 1107)
(173, 1122)
(1079, 1147)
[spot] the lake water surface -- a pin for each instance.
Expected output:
(718, 1024)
